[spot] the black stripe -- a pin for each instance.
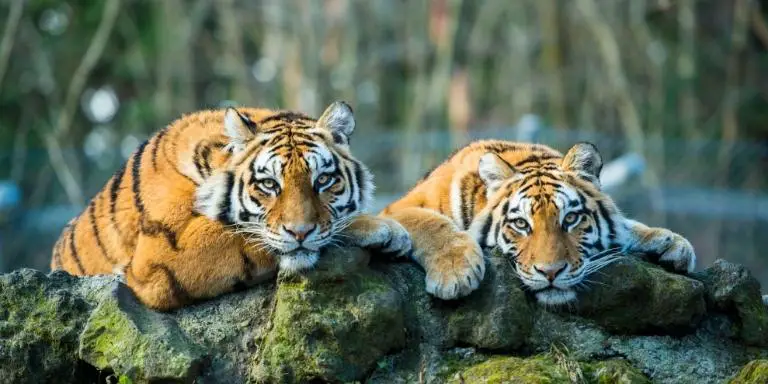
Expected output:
(535, 158)
(464, 200)
(225, 207)
(158, 138)
(484, 231)
(95, 229)
(358, 169)
(114, 189)
(177, 290)
(607, 218)
(154, 228)
(136, 173)
(288, 116)
(73, 248)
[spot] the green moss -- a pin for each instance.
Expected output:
(613, 372)
(754, 372)
(135, 342)
(39, 326)
(124, 380)
(552, 367)
(331, 327)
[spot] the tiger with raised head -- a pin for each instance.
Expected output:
(542, 210)
(219, 199)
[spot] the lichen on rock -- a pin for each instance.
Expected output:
(331, 324)
(755, 372)
(632, 296)
(732, 289)
(123, 336)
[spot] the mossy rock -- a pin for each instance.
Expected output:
(632, 296)
(496, 316)
(548, 368)
(755, 372)
(731, 289)
(138, 344)
(332, 323)
(40, 321)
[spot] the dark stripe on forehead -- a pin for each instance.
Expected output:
(537, 158)
(288, 116)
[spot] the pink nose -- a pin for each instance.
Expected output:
(550, 270)
(299, 231)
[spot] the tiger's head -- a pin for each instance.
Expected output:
(291, 183)
(548, 215)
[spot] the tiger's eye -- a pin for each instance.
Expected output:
(323, 179)
(520, 223)
(268, 183)
(570, 218)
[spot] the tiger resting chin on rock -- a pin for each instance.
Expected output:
(543, 211)
(219, 198)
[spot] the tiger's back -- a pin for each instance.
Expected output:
(157, 181)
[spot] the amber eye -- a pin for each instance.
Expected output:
(268, 184)
(570, 218)
(520, 223)
(324, 180)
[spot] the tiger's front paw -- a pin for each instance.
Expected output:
(458, 271)
(679, 254)
(379, 233)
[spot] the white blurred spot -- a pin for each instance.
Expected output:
(128, 145)
(368, 92)
(657, 52)
(98, 146)
(264, 70)
(100, 105)
(54, 21)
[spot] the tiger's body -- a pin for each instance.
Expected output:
(541, 209)
(219, 199)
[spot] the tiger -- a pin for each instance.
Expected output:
(221, 199)
(543, 211)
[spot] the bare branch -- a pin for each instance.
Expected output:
(64, 121)
(9, 35)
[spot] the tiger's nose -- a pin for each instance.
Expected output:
(551, 270)
(299, 231)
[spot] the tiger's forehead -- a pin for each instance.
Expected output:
(537, 190)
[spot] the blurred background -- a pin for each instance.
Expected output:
(673, 92)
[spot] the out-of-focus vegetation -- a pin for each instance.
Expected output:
(683, 83)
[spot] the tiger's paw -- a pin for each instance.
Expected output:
(679, 254)
(457, 272)
(381, 234)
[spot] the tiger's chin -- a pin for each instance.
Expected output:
(298, 260)
(555, 296)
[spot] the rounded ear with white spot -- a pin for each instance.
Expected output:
(339, 119)
(239, 128)
(493, 171)
(584, 160)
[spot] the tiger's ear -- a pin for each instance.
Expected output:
(493, 171)
(239, 128)
(339, 120)
(585, 161)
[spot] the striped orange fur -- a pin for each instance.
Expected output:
(542, 210)
(220, 198)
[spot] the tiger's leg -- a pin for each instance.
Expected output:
(164, 276)
(381, 233)
(452, 259)
(671, 248)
